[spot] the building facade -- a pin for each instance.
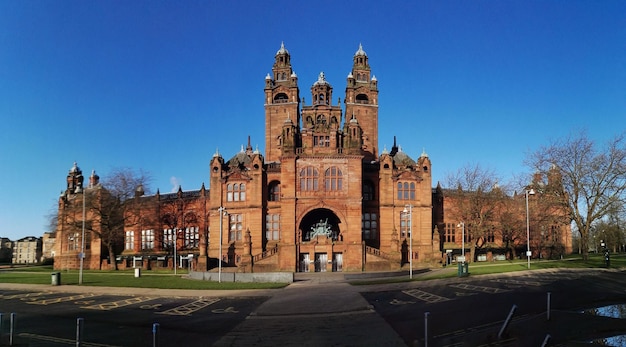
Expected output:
(6, 250)
(324, 197)
(27, 250)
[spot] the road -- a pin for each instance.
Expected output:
(322, 309)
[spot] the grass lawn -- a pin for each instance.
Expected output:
(122, 278)
(595, 261)
(166, 279)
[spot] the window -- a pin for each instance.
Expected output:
(274, 191)
(236, 227)
(168, 238)
(491, 236)
(147, 239)
(368, 191)
(333, 179)
(72, 242)
(236, 192)
(321, 141)
(369, 226)
(272, 227)
(192, 237)
(129, 240)
(405, 225)
(450, 232)
(309, 178)
(406, 191)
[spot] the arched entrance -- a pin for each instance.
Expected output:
(319, 235)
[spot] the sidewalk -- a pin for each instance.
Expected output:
(322, 311)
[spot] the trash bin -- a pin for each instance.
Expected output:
(463, 269)
(137, 272)
(56, 279)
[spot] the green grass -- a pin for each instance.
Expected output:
(123, 278)
(483, 268)
(165, 279)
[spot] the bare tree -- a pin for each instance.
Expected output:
(477, 200)
(593, 180)
(111, 207)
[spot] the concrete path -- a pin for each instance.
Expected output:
(314, 312)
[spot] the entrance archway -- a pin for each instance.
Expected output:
(319, 230)
(320, 222)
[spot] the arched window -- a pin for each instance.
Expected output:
(236, 192)
(406, 191)
(273, 193)
(309, 179)
(362, 99)
(333, 179)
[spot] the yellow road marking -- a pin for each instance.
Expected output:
(23, 295)
(61, 299)
(61, 340)
(120, 303)
(190, 307)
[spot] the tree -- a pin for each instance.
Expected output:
(593, 180)
(110, 207)
(477, 200)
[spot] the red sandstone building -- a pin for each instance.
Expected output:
(323, 198)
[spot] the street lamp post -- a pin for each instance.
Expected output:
(462, 225)
(410, 212)
(82, 242)
(175, 236)
(222, 212)
(528, 253)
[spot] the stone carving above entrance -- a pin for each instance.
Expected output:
(321, 228)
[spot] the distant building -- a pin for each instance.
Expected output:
(27, 250)
(48, 241)
(6, 250)
(324, 197)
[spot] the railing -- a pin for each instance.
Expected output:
(266, 254)
(273, 167)
(376, 252)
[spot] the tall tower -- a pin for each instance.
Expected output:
(321, 120)
(282, 102)
(362, 102)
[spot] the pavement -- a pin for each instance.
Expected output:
(325, 310)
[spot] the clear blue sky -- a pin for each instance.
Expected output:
(160, 85)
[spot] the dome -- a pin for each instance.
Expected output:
(402, 158)
(282, 49)
(321, 80)
(360, 51)
(75, 169)
(240, 158)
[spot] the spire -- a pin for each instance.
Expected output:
(249, 147)
(282, 49)
(394, 148)
(360, 51)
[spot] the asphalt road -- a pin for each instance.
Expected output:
(48, 318)
(324, 310)
(472, 311)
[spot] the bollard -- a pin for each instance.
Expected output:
(507, 321)
(546, 340)
(426, 328)
(79, 331)
(12, 329)
(0, 327)
(548, 309)
(155, 330)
